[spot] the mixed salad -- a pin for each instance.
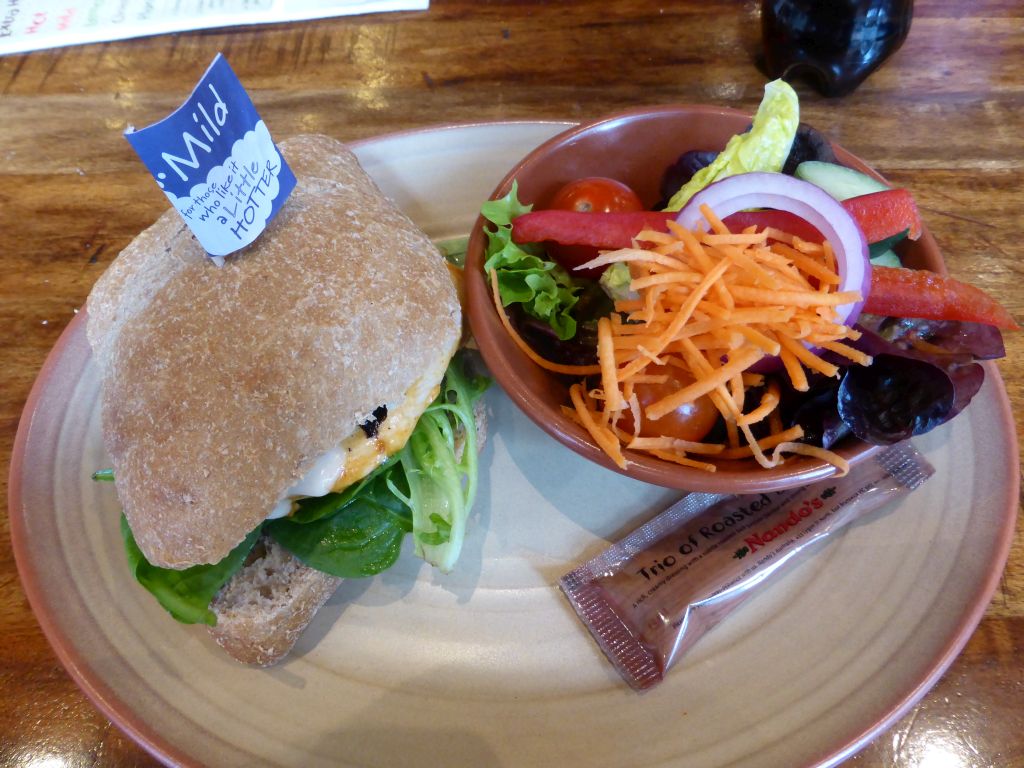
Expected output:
(758, 310)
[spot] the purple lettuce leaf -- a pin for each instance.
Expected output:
(924, 373)
(681, 171)
(942, 341)
(815, 411)
(894, 398)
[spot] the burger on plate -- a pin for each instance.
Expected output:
(286, 420)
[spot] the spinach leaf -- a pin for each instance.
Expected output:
(318, 507)
(361, 538)
(186, 594)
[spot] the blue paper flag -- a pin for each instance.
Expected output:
(215, 160)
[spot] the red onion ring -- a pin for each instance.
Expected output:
(801, 198)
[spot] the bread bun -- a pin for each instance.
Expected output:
(222, 386)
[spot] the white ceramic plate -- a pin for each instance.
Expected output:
(489, 666)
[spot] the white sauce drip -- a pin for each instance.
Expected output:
(318, 481)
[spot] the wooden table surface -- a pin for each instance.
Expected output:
(944, 117)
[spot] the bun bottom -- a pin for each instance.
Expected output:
(263, 609)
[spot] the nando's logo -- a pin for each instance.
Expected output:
(755, 541)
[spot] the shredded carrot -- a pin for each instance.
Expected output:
(714, 221)
(817, 452)
(709, 305)
(806, 246)
(654, 236)
(813, 267)
(753, 379)
(778, 235)
(847, 351)
(794, 370)
(634, 411)
(643, 378)
(733, 239)
(926, 346)
(686, 462)
(609, 371)
(603, 436)
(792, 298)
(755, 337)
(632, 254)
(808, 358)
(743, 360)
(672, 443)
(757, 446)
(769, 402)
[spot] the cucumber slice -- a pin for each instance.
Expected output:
(838, 180)
(887, 259)
(877, 249)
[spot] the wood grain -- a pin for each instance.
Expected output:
(943, 118)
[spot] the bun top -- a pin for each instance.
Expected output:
(222, 386)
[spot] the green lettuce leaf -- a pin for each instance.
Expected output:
(454, 250)
(186, 594)
(764, 147)
(441, 488)
(616, 281)
(544, 289)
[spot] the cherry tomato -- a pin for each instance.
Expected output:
(594, 194)
(691, 421)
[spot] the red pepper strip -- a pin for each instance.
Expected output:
(884, 214)
(609, 231)
(784, 221)
(898, 292)
(880, 215)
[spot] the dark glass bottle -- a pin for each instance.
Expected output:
(835, 44)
